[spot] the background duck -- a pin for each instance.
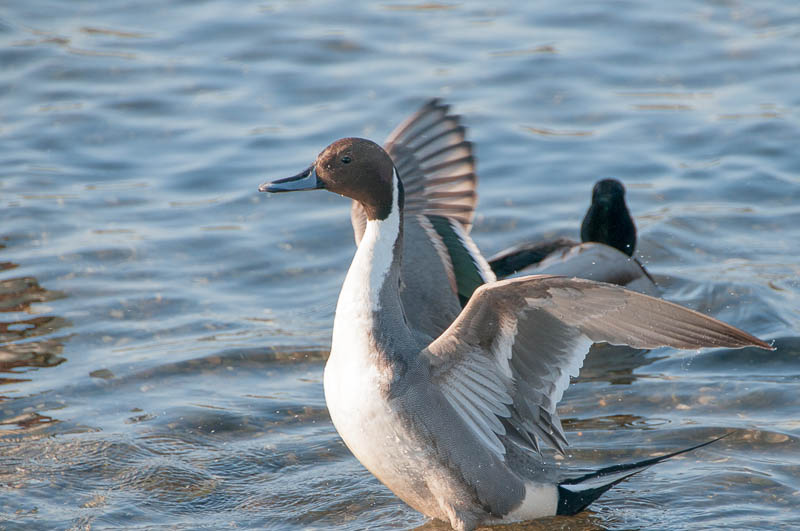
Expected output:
(605, 254)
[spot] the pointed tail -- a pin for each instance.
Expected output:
(575, 494)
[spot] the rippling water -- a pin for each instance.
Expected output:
(165, 327)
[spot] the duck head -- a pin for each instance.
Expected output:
(353, 167)
(608, 220)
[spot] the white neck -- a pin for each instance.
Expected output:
(359, 300)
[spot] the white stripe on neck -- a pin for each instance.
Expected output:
(371, 264)
(353, 379)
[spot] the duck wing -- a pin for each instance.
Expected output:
(507, 359)
(441, 268)
(436, 165)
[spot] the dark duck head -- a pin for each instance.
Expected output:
(608, 220)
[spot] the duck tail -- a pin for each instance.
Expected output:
(575, 494)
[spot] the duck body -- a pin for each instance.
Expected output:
(599, 262)
(451, 421)
(379, 392)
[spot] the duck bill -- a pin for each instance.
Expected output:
(305, 180)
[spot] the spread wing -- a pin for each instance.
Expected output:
(506, 361)
(436, 165)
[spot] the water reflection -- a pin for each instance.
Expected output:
(27, 421)
(200, 436)
(24, 346)
(586, 521)
(16, 348)
(17, 294)
(614, 364)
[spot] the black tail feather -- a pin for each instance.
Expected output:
(575, 494)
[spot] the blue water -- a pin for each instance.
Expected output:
(164, 326)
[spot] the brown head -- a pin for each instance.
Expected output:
(354, 167)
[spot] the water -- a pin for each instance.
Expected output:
(165, 327)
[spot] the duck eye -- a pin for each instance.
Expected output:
(346, 159)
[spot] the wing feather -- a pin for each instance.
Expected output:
(435, 162)
(478, 423)
(532, 334)
(475, 407)
(482, 396)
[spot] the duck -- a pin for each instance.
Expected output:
(605, 253)
(452, 422)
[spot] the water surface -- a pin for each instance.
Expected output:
(164, 327)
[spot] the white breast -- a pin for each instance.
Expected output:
(351, 373)
(352, 384)
(353, 380)
(356, 384)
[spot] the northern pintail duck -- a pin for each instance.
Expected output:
(452, 423)
(605, 254)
